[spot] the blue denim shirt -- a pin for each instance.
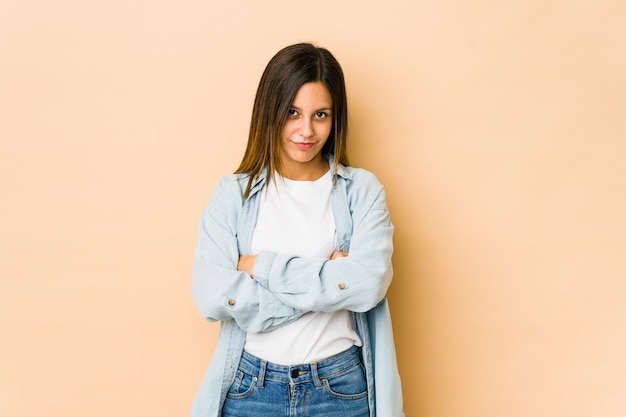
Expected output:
(285, 287)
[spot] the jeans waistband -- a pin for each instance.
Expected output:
(326, 368)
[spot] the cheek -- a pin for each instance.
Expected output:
(284, 135)
(325, 130)
(288, 130)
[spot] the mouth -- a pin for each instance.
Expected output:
(304, 145)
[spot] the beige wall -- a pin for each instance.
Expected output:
(497, 127)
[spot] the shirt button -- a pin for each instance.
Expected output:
(231, 302)
(341, 286)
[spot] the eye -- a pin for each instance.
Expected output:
(321, 115)
(292, 113)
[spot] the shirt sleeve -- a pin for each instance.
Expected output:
(357, 282)
(220, 292)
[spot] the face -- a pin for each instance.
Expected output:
(305, 132)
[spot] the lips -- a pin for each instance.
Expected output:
(304, 145)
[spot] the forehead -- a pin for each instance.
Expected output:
(314, 94)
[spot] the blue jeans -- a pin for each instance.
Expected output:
(333, 387)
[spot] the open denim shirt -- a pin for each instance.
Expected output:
(285, 287)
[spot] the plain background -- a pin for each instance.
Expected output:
(498, 129)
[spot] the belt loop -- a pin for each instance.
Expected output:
(316, 377)
(261, 379)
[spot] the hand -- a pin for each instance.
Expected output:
(337, 254)
(246, 264)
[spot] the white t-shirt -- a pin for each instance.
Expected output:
(295, 218)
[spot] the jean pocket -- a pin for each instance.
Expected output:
(350, 384)
(242, 386)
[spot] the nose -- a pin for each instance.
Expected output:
(306, 128)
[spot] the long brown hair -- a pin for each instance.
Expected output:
(286, 72)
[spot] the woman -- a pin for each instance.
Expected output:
(294, 259)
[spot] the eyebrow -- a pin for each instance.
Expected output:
(315, 111)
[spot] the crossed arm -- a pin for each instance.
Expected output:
(285, 287)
